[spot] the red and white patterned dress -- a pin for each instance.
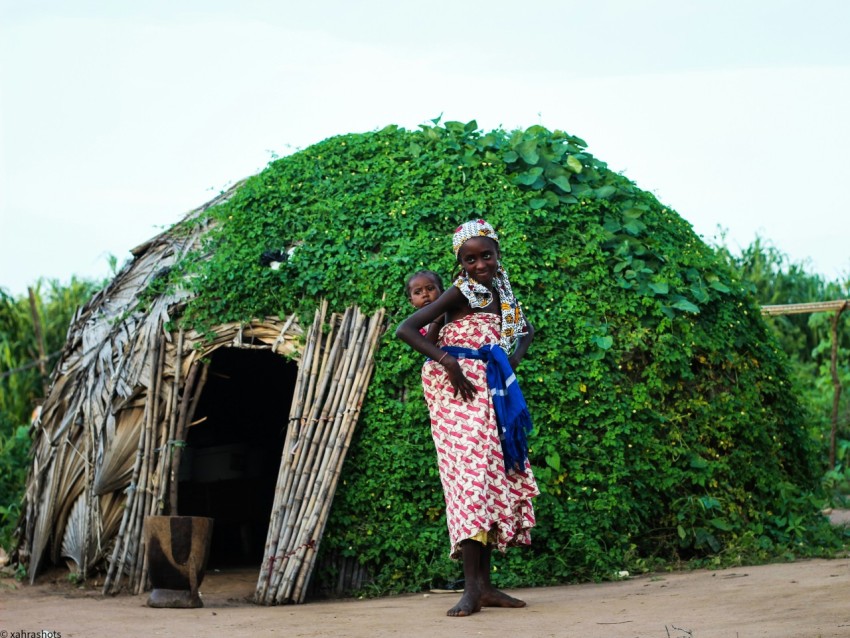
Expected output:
(481, 499)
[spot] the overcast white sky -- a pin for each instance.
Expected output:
(118, 117)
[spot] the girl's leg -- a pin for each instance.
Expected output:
(489, 595)
(470, 602)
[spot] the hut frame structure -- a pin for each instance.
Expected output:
(108, 442)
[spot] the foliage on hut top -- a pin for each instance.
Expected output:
(665, 424)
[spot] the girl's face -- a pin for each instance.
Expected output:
(423, 290)
(479, 257)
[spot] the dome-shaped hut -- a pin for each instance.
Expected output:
(223, 371)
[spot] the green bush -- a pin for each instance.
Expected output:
(21, 382)
(14, 450)
(665, 425)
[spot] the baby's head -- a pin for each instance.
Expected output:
(423, 287)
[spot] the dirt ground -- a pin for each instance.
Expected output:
(803, 599)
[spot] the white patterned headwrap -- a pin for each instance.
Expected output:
(479, 296)
(470, 229)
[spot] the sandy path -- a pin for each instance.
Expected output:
(799, 600)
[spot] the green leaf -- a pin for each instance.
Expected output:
(699, 294)
(604, 342)
(719, 287)
(551, 198)
(527, 178)
(510, 157)
(704, 537)
(720, 523)
(581, 190)
(699, 463)
(537, 203)
(528, 151)
(562, 182)
(605, 192)
(553, 460)
(660, 287)
(686, 306)
(558, 151)
(634, 227)
(709, 502)
(574, 165)
(611, 224)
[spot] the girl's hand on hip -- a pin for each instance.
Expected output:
(461, 384)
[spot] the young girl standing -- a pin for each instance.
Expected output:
(478, 415)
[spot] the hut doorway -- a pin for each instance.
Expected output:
(229, 467)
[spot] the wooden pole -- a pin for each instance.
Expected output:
(314, 371)
(295, 496)
(331, 384)
(312, 481)
(167, 451)
(303, 455)
(291, 439)
(180, 436)
(143, 492)
(356, 369)
(91, 499)
(836, 384)
(349, 413)
(293, 492)
(159, 460)
(322, 476)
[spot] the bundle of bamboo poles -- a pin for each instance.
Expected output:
(333, 377)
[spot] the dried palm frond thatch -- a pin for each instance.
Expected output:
(107, 445)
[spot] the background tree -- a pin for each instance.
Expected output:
(775, 280)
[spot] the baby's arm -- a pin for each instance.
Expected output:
(432, 333)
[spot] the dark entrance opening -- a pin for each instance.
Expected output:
(229, 467)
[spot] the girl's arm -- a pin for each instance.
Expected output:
(434, 328)
(522, 346)
(408, 332)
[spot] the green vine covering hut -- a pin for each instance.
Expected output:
(226, 372)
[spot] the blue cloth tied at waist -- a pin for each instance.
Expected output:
(512, 415)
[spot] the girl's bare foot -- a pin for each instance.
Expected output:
(492, 597)
(468, 604)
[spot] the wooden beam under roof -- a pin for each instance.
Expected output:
(802, 308)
